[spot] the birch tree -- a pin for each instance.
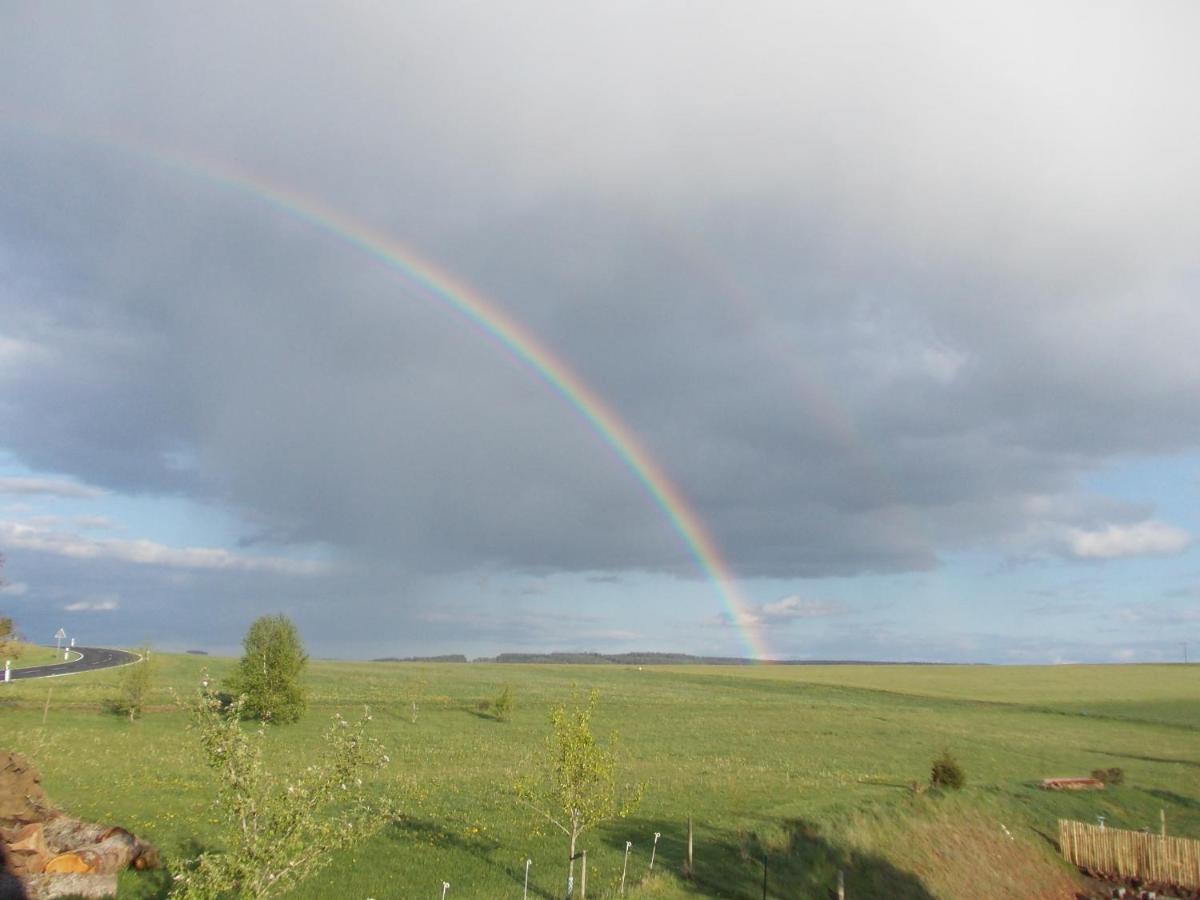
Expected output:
(574, 786)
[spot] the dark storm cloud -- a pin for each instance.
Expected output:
(868, 286)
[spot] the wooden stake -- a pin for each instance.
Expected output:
(691, 869)
(764, 878)
(583, 879)
(46, 709)
(841, 885)
(1162, 818)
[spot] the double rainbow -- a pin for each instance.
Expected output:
(444, 287)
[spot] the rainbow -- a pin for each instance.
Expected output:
(444, 287)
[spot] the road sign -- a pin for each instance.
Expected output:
(58, 636)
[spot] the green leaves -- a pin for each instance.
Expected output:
(269, 672)
(576, 787)
(134, 686)
(279, 830)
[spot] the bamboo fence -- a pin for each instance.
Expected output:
(1117, 853)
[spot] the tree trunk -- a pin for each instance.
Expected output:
(571, 867)
(115, 850)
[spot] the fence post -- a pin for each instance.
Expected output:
(841, 885)
(583, 879)
(1162, 818)
(764, 878)
(691, 868)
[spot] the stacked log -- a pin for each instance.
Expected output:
(27, 850)
(1072, 784)
(54, 854)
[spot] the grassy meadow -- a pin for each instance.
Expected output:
(24, 656)
(807, 768)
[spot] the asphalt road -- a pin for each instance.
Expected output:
(91, 659)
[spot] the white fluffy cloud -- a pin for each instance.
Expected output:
(784, 611)
(106, 603)
(23, 536)
(1148, 538)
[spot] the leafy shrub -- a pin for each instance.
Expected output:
(574, 784)
(947, 773)
(1115, 775)
(502, 706)
(276, 830)
(268, 675)
(134, 687)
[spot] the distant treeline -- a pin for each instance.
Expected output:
(449, 657)
(634, 659)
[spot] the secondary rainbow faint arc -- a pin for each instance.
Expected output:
(555, 372)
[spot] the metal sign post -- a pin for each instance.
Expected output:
(58, 639)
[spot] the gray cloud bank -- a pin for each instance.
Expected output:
(870, 283)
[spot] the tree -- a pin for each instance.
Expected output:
(277, 830)
(946, 773)
(8, 631)
(502, 706)
(576, 786)
(135, 686)
(268, 674)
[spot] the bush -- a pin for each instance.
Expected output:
(502, 706)
(134, 687)
(1114, 775)
(268, 675)
(276, 831)
(575, 785)
(946, 773)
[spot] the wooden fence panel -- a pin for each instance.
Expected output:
(1118, 853)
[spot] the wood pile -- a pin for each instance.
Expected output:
(1072, 784)
(55, 854)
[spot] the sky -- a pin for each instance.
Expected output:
(795, 330)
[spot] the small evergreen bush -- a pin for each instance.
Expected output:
(946, 773)
(503, 704)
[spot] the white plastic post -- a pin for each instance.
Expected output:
(528, 863)
(654, 849)
(7, 671)
(66, 654)
(72, 642)
(628, 844)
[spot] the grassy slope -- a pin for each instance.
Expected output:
(807, 766)
(25, 655)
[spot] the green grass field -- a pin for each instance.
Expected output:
(24, 656)
(807, 767)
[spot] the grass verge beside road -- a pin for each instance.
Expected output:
(25, 656)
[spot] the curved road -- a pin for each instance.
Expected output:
(90, 659)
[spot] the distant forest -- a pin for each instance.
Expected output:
(634, 659)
